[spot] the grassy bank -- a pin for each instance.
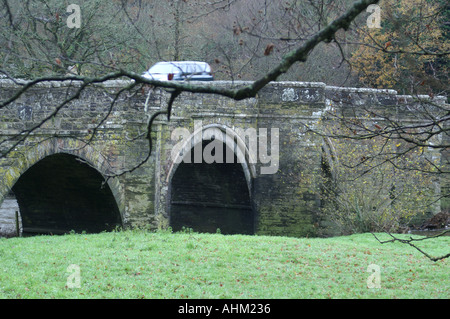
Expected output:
(139, 264)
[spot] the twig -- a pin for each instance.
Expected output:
(410, 243)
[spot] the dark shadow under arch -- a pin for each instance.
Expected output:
(60, 194)
(207, 197)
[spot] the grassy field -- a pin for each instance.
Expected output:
(141, 264)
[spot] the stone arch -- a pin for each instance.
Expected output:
(242, 169)
(27, 157)
(227, 136)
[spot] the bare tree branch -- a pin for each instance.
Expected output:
(410, 241)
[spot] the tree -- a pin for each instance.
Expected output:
(251, 38)
(409, 53)
(37, 41)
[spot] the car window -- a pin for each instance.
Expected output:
(188, 68)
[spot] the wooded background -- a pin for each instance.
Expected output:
(241, 39)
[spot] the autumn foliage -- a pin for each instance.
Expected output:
(410, 50)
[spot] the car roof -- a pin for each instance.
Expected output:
(183, 66)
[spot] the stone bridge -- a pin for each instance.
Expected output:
(85, 169)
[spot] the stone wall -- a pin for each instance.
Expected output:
(284, 189)
(9, 221)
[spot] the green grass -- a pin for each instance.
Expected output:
(141, 264)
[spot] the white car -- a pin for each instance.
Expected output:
(180, 71)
